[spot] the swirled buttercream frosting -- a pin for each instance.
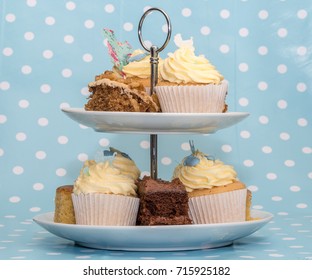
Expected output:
(139, 65)
(184, 67)
(198, 171)
(106, 177)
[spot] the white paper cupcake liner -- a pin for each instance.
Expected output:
(105, 209)
(192, 99)
(219, 208)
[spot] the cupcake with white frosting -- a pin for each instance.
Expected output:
(190, 83)
(105, 192)
(215, 193)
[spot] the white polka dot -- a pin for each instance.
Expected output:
(35, 209)
(29, 36)
(282, 104)
(302, 122)
(282, 68)
(243, 102)
(282, 213)
(186, 12)
(1, 152)
(245, 134)
(3, 119)
(18, 170)
(185, 146)
(224, 48)
(145, 144)
(262, 86)
(205, 30)
(294, 188)
(301, 87)
(7, 51)
(302, 14)
(267, 149)
(60, 172)
(45, 88)
(226, 148)
(243, 32)
(21, 136)
(128, 26)
(164, 28)
(5, 85)
(85, 91)
(38, 186)
(89, 24)
(48, 54)
(243, 67)
(302, 205)
(43, 121)
(14, 199)
(310, 175)
(69, 39)
(41, 155)
(31, 3)
(289, 163)
(263, 50)
(70, 6)
(248, 163)
(253, 188)
(271, 176)
(166, 161)
(67, 73)
(23, 104)
(50, 20)
(302, 50)
(258, 207)
(282, 32)
(104, 142)
(109, 8)
(87, 57)
(307, 150)
(284, 136)
(225, 14)
(276, 198)
(82, 157)
(263, 14)
(10, 18)
(64, 105)
(62, 140)
(26, 69)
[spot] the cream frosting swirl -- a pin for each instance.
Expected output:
(205, 174)
(139, 68)
(103, 177)
(126, 166)
(183, 66)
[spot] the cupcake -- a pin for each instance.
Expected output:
(190, 83)
(215, 193)
(105, 192)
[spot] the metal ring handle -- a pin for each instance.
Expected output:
(141, 24)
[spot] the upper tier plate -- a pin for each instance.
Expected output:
(155, 123)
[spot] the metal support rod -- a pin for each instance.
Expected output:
(153, 155)
(154, 77)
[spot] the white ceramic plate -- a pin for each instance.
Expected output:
(155, 123)
(155, 238)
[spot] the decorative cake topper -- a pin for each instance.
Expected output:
(193, 159)
(112, 152)
(118, 51)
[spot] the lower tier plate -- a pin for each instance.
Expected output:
(155, 238)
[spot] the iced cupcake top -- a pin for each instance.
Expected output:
(116, 175)
(139, 65)
(199, 171)
(184, 67)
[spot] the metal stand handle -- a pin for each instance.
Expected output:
(154, 51)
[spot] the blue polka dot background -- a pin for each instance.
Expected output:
(51, 50)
